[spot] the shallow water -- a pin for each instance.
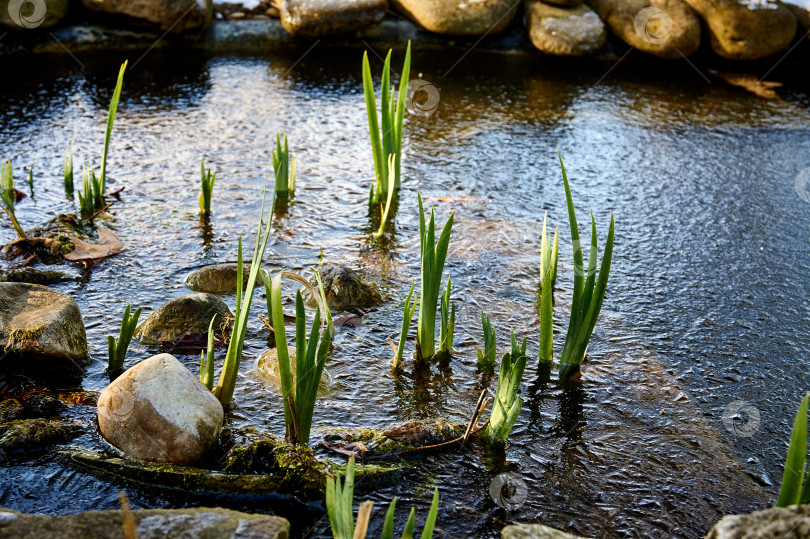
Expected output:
(707, 302)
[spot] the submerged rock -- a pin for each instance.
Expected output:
(38, 322)
(10, 409)
(345, 289)
(174, 15)
(561, 31)
(24, 15)
(158, 411)
(218, 278)
(747, 30)
(459, 18)
(28, 434)
(267, 367)
(200, 522)
(183, 319)
(36, 276)
(394, 439)
(317, 18)
(664, 28)
(793, 521)
(534, 531)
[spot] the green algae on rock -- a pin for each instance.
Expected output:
(406, 436)
(201, 522)
(28, 434)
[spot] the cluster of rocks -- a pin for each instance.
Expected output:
(733, 29)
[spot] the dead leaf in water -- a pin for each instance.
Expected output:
(108, 244)
(760, 88)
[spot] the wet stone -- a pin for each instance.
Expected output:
(564, 31)
(446, 16)
(791, 521)
(316, 18)
(10, 409)
(534, 531)
(218, 278)
(345, 289)
(30, 434)
(183, 319)
(171, 15)
(267, 367)
(37, 322)
(199, 522)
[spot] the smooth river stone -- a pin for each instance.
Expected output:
(317, 18)
(184, 318)
(575, 31)
(459, 17)
(157, 411)
(173, 15)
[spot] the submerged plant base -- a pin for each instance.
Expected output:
(396, 439)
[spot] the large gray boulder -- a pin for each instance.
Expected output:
(20, 15)
(459, 17)
(746, 30)
(317, 18)
(787, 522)
(201, 522)
(174, 15)
(183, 319)
(158, 411)
(562, 31)
(665, 28)
(37, 322)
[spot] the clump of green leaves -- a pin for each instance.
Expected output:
(407, 317)
(487, 357)
(283, 168)
(339, 502)
(68, 170)
(448, 323)
(9, 195)
(507, 404)
(90, 196)
(433, 255)
(207, 179)
(233, 357)
(795, 488)
(207, 358)
(589, 293)
(118, 349)
(386, 134)
(310, 357)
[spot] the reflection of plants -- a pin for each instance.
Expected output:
(448, 322)
(68, 170)
(207, 179)
(588, 293)
(207, 358)
(230, 368)
(795, 482)
(407, 317)
(118, 350)
(283, 168)
(9, 195)
(433, 255)
(486, 359)
(507, 404)
(339, 502)
(386, 137)
(310, 357)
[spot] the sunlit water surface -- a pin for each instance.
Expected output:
(708, 294)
